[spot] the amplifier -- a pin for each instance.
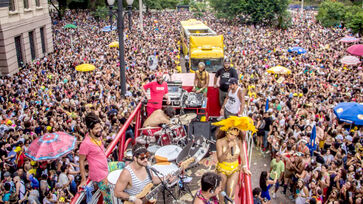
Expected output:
(176, 93)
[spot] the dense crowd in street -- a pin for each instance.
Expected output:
(49, 95)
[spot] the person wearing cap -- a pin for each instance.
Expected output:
(201, 80)
(234, 102)
(158, 90)
(224, 74)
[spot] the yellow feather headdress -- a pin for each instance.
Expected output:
(241, 123)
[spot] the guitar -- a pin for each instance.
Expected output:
(146, 195)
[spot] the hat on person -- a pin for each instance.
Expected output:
(232, 81)
(17, 149)
(339, 137)
(349, 138)
(7, 174)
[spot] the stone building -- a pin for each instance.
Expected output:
(25, 33)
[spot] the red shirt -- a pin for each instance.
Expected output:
(157, 92)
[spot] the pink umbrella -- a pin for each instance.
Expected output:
(51, 146)
(350, 60)
(348, 39)
(356, 49)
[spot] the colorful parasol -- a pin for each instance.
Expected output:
(70, 26)
(85, 67)
(349, 39)
(350, 60)
(279, 70)
(51, 146)
(113, 44)
(356, 49)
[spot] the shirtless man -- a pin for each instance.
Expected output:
(159, 117)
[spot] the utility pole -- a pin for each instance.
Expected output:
(141, 24)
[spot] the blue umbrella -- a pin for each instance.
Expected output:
(349, 112)
(108, 28)
(298, 50)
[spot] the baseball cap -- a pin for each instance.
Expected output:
(7, 174)
(232, 81)
(339, 137)
(349, 138)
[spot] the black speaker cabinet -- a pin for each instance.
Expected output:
(204, 129)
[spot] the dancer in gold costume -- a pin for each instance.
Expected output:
(229, 148)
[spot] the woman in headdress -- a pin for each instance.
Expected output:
(229, 148)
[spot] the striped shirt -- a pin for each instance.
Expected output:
(137, 186)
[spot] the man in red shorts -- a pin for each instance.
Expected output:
(158, 89)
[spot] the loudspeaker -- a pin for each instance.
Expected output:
(204, 129)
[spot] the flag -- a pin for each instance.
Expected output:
(266, 106)
(312, 143)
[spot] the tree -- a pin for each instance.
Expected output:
(160, 4)
(252, 11)
(331, 13)
(228, 9)
(356, 23)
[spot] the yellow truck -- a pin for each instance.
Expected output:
(201, 44)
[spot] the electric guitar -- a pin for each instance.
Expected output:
(147, 194)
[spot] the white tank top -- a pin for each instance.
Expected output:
(137, 185)
(233, 103)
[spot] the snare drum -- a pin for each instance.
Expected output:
(165, 139)
(167, 153)
(177, 131)
(166, 169)
(112, 180)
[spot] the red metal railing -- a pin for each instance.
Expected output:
(120, 139)
(245, 181)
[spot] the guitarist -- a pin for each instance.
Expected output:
(135, 176)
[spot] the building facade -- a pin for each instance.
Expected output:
(25, 33)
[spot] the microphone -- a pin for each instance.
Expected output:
(232, 151)
(226, 197)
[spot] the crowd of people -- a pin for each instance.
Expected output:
(49, 95)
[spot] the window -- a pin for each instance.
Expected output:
(32, 46)
(211, 65)
(11, 5)
(42, 39)
(19, 52)
(37, 3)
(26, 4)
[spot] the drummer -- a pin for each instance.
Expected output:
(135, 177)
(159, 117)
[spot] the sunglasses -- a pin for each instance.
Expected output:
(143, 156)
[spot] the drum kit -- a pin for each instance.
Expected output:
(170, 145)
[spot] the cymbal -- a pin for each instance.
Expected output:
(187, 118)
(149, 128)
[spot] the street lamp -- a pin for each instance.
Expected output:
(120, 28)
(129, 6)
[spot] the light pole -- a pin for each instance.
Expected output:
(120, 28)
(129, 6)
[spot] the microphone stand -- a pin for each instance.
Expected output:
(165, 187)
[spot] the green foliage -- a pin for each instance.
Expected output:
(335, 13)
(228, 9)
(252, 11)
(101, 12)
(161, 4)
(331, 13)
(356, 23)
(284, 20)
